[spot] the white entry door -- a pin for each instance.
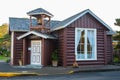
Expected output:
(36, 52)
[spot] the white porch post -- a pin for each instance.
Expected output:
(12, 47)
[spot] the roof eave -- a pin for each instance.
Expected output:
(30, 14)
(19, 30)
(111, 32)
(35, 33)
(87, 11)
(61, 27)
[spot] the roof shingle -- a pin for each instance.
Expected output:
(39, 11)
(71, 19)
(22, 24)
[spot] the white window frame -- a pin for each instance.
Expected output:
(95, 36)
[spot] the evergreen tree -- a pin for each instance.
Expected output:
(117, 22)
(117, 36)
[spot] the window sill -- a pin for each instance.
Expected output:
(86, 59)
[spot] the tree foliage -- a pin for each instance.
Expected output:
(116, 37)
(3, 30)
(4, 39)
(117, 22)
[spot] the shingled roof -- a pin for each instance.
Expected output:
(19, 24)
(71, 19)
(46, 36)
(39, 11)
(22, 24)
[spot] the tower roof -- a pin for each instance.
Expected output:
(39, 11)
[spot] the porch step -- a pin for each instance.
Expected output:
(29, 66)
(34, 66)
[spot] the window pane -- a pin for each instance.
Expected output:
(89, 50)
(80, 48)
(90, 44)
(86, 44)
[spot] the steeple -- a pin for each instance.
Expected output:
(43, 18)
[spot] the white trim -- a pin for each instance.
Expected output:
(20, 30)
(95, 44)
(40, 13)
(86, 11)
(60, 27)
(40, 52)
(35, 33)
(86, 29)
(31, 32)
(85, 49)
(12, 46)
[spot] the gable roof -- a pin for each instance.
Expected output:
(46, 36)
(71, 19)
(39, 11)
(23, 24)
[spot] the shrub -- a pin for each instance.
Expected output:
(55, 55)
(8, 61)
(4, 52)
(116, 59)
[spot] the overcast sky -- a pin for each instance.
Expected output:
(107, 10)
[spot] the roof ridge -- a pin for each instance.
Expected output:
(73, 16)
(71, 19)
(39, 11)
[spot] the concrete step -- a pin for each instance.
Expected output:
(29, 66)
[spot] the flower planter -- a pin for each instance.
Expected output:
(20, 62)
(55, 58)
(54, 63)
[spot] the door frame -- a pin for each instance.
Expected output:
(40, 51)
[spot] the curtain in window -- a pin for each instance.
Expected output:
(78, 36)
(78, 40)
(90, 35)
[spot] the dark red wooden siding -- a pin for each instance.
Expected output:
(109, 49)
(28, 52)
(67, 41)
(18, 48)
(61, 46)
(49, 47)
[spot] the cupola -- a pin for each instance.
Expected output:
(43, 19)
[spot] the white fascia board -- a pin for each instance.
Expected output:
(38, 34)
(42, 35)
(40, 13)
(57, 28)
(22, 36)
(111, 32)
(87, 11)
(31, 32)
(101, 21)
(35, 33)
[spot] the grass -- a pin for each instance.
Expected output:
(3, 58)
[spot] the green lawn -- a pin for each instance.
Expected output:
(3, 58)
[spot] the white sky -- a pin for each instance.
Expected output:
(107, 10)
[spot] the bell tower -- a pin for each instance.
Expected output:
(42, 18)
